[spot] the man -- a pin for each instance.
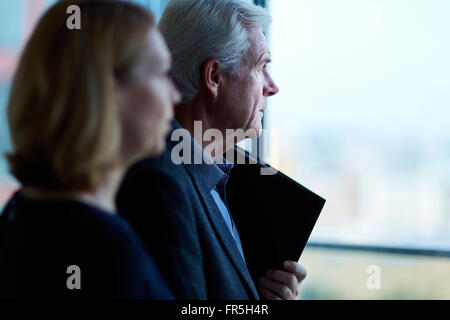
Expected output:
(180, 211)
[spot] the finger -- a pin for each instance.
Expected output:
(283, 291)
(284, 277)
(296, 268)
(267, 294)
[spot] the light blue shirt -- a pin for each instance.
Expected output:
(219, 195)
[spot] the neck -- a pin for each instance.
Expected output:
(195, 118)
(103, 196)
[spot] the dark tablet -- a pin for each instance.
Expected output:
(274, 214)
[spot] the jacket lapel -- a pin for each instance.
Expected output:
(216, 219)
(222, 232)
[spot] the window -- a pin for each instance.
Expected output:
(363, 115)
(363, 119)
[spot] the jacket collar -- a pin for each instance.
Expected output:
(205, 177)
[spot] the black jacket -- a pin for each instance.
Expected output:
(178, 221)
(41, 239)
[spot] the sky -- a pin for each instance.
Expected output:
(362, 64)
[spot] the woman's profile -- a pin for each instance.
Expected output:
(84, 105)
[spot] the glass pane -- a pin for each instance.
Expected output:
(18, 19)
(342, 274)
(363, 115)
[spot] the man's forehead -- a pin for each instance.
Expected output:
(258, 44)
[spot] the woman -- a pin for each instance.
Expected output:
(84, 105)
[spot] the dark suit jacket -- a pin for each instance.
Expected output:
(179, 223)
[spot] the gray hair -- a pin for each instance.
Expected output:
(197, 30)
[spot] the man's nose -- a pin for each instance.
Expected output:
(270, 87)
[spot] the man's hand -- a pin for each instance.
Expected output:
(282, 285)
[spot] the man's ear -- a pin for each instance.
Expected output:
(212, 76)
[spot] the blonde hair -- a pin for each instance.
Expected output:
(62, 114)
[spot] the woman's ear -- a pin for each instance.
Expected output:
(212, 76)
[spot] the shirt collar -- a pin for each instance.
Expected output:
(210, 171)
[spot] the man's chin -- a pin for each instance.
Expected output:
(259, 132)
(254, 132)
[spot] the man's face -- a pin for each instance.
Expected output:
(243, 97)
